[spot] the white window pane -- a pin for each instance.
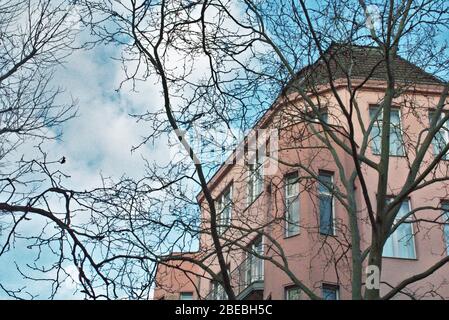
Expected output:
(292, 205)
(446, 226)
(254, 265)
(394, 117)
(226, 215)
(405, 241)
(291, 186)
(186, 296)
(446, 236)
(373, 112)
(376, 140)
(224, 209)
(326, 218)
(401, 243)
(255, 181)
(439, 142)
(396, 141)
(218, 292)
(404, 209)
(388, 248)
(441, 138)
(292, 293)
(259, 178)
(292, 216)
(325, 204)
(258, 262)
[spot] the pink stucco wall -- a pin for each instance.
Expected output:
(176, 277)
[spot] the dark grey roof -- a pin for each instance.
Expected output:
(359, 62)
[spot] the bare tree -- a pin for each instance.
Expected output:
(219, 64)
(35, 37)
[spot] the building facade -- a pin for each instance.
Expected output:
(280, 211)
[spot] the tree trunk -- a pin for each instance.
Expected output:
(356, 283)
(375, 259)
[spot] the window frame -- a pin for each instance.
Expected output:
(219, 293)
(395, 240)
(253, 261)
(221, 207)
(445, 128)
(330, 286)
(393, 108)
(313, 117)
(296, 197)
(254, 169)
(289, 288)
(331, 175)
(445, 216)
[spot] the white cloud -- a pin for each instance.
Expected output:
(100, 138)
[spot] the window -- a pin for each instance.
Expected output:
(315, 116)
(292, 293)
(396, 142)
(291, 205)
(401, 243)
(441, 138)
(218, 292)
(329, 292)
(186, 296)
(224, 207)
(254, 265)
(326, 203)
(325, 117)
(255, 183)
(445, 206)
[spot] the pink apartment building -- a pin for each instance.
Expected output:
(286, 217)
(177, 280)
